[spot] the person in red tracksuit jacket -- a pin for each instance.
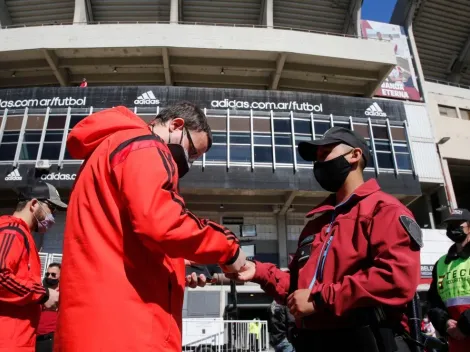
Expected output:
(128, 232)
(21, 292)
(358, 261)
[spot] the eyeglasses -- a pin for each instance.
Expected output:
(51, 274)
(51, 206)
(192, 148)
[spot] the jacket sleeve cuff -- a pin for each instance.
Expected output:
(261, 273)
(234, 258)
(45, 297)
(464, 322)
(318, 298)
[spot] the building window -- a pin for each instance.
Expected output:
(465, 114)
(10, 137)
(53, 138)
(32, 137)
(447, 111)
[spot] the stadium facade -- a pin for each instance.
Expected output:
(269, 73)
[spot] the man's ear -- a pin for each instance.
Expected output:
(356, 155)
(33, 205)
(176, 124)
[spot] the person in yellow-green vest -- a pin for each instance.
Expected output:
(449, 294)
(254, 329)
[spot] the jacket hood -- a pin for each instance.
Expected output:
(88, 134)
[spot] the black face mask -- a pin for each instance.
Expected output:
(52, 282)
(179, 156)
(331, 174)
(456, 234)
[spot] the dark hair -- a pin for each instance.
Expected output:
(21, 205)
(193, 116)
(55, 265)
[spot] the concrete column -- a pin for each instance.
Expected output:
(281, 221)
(80, 13)
(448, 184)
(427, 199)
(269, 13)
(174, 12)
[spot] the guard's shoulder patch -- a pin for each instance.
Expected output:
(413, 229)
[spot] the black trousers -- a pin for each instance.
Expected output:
(344, 341)
(45, 343)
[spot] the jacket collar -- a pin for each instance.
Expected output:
(364, 190)
(452, 254)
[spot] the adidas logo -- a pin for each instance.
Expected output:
(375, 110)
(14, 176)
(148, 98)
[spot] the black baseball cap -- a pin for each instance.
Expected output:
(42, 191)
(335, 135)
(458, 215)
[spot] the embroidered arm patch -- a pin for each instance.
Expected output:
(413, 229)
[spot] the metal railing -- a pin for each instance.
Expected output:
(206, 334)
(220, 24)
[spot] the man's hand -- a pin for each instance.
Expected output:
(53, 300)
(300, 303)
(246, 273)
(193, 280)
(453, 330)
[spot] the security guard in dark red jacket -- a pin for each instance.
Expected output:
(358, 263)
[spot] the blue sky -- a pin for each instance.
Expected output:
(378, 10)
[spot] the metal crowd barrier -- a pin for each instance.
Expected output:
(217, 335)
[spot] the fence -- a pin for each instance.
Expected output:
(48, 258)
(205, 334)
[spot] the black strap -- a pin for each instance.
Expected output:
(21, 232)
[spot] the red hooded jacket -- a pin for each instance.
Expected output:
(371, 260)
(21, 290)
(127, 232)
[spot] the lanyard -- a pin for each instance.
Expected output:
(326, 247)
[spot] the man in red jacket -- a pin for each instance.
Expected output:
(358, 263)
(21, 292)
(128, 232)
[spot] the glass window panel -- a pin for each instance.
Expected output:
(7, 151)
(238, 124)
(284, 155)
(398, 133)
(74, 119)
(67, 155)
(282, 139)
(219, 137)
(217, 153)
(380, 132)
(56, 121)
(321, 127)
(262, 139)
(371, 162)
(362, 130)
(146, 118)
(401, 148)
(13, 122)
(32, 136)
(302, 126)
(243, 138)
(299, 139)
(384, 146)
(35, 122)
(261, 125)
(448, 111)
(29, 151)
(50, 151)
(10, 137)
(465, 114)
(54, 136)
(263, 154)
(300, 160)
(240, 153)
(282, 125)
(385, 160)
(217, 123)
(404, 161)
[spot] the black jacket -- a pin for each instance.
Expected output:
(281, 322)
(438, 311)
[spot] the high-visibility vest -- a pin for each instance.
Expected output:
(453, 285)
(255, 328)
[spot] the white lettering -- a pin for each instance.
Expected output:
(68, 101)
(58, 177)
